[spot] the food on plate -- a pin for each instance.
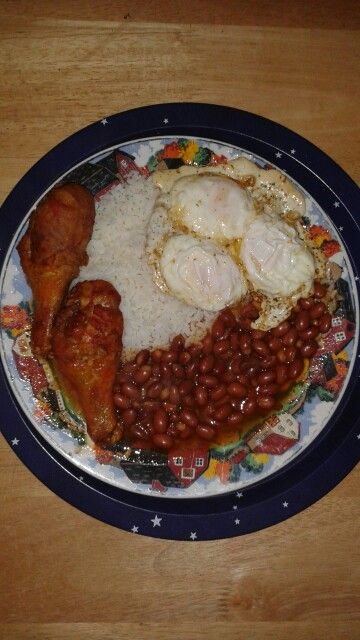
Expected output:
(201, 273)
(86, 351)
(51, 253)
(277, 262)
(231, 379)
(213, 206)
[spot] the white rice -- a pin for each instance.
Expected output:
(117, 254)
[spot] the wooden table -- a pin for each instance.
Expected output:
(65, 64)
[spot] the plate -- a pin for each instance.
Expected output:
(238, 486)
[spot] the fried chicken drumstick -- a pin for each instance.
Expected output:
(86, 348)
(51, 253)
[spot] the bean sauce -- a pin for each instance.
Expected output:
(235, 374)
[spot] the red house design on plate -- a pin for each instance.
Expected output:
(188, 464)
(276, 435)
(341, 332)
(28, 366)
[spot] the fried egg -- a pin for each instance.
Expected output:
(277, 262)
(211, 206)
(201, 273)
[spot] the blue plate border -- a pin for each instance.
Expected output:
(301, 482)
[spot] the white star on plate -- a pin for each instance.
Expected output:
(234, 507)
(104, 121)
(336, 204)
(135, 529)
(285, 504)
(356, 278)
(156, 521)
(193, 535)
(341, 228)
(278, 154)
(237, 521)
(81, 478)
(358, 436)
(293, 151)
(15, 442)
(166, 121)
(239, 494)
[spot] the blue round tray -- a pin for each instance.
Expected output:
(324, 462)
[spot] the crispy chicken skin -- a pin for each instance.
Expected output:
(86, 350)
(51, 253)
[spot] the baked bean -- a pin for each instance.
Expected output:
(123, 402)
(228, 318)
(142, 357)
(229, 377)
(182, 430)
(140, 431)
(258, 334)
(302, 320)
(142, 374)
(188, 401)
(169, 407)
(207, 344)
(129, 368)
(218, 329)
(319, 289)
(208, 381)
(295, 368)
(234, 419)
(245, 344)
(309, 349)
(249, 406)
(130, 390)
(221, 347)
(261, 347)
(234, 340)
(281, 374)
(120, 378)
(317, 310)
(177, 343)
(162, 440)
(185, 387)
(282, 355)
(237, 390)
(165, 370)
(223, 412)
(325, 323)
(154, 390)
(266, 403)
(178, 371)
(195, 350)
(218, 392)
(205, 431)
(245, 324)
(150, 405)
(169, 356)
(310, 333)
(235, 365)
(275, 344)
(184, 357)
(191, 369)
(291, 353)
(206, 363)
(305, 303)
(156, 355)
(266, 377)
(155, 370)
(201, 396)
(219, 367)
(160, 421)
(281, 329)
(189, 417)
(174, 395)
(267, 389)
(290, 337)
(269, 362)
(249, 310)
(164, 393)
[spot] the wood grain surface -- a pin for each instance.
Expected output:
(65, 64)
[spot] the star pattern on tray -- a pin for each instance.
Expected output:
(104, 121)
(293, 151)
(193, 535)
(156, 521)
(234, 507)
(237, 521)
(135, 529)
(336, 204)
(285, 504)
(278, 154)
(239, 494)
(358, 436)
(341, 228)
(166, 121)
(15, 442)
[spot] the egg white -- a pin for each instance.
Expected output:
(200, 273)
